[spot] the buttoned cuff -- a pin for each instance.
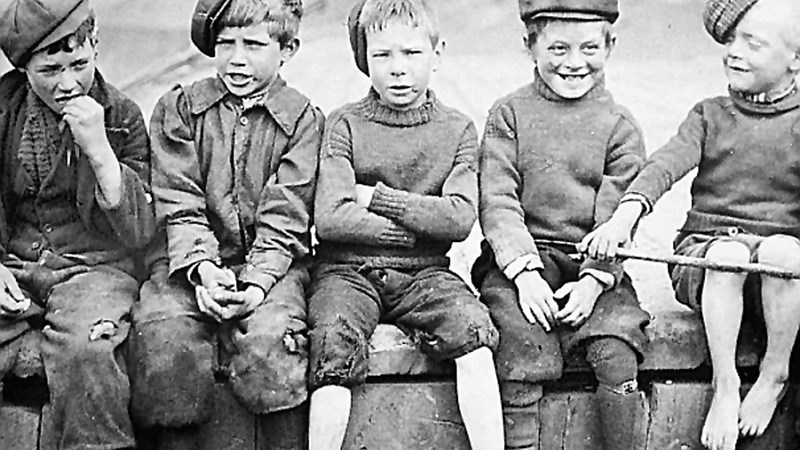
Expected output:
(521, 264)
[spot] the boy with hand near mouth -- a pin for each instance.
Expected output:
(75, 207)
(397, 186)
(556, 157)
(234, 164)
(745, 206)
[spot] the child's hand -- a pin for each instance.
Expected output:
(236, 305)
(215, 278)
(536, 299)
(364, 195)
(207, 305)
(12, 301)
(606, 239)
(583, 295)
(86, 119)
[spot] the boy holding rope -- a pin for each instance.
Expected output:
(745, 206)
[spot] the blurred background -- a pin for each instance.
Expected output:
(663, 64)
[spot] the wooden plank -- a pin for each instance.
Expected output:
(20, 427)
(232, 428)
(406, 416)
(283, 430)
(569, 421)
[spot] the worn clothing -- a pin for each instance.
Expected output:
(387, 261)
(526, 352)
(422, 163)
(554, 169)
(234, 185)
(174, 348)
(73, 254)
(748, 166)
(433, 306)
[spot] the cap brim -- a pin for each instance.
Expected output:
(67, 26)
(568, 15)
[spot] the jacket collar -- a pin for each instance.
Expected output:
(283, 103)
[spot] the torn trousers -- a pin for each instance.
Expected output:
(172, 352)
(85, 369)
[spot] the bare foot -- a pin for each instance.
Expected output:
(720, 430)
(759, 405)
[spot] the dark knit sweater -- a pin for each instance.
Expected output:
(554, 169)
(422, 162)
(748, 160)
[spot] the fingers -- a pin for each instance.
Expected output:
(534, 314)
(565, 290)
(207, 305)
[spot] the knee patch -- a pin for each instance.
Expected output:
(339, 355)
(613, 361)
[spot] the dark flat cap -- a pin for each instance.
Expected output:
(205, 16)
(358, 38)
(27, 26)
(721, 16)
(569, 9)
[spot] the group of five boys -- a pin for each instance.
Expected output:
(241, 165)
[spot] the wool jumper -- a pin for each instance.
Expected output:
(422, 162)
(554, 169)
(748, 160)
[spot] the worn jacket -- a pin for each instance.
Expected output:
(235, 184)
(115, 232)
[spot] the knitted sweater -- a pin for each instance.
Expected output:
(748, 160)
(554, 169)
(422, 162)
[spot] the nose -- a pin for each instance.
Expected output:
(574, 60)
(398, 66)
(67, 82)
(733, 48)
(238, 56)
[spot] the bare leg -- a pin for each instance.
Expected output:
(328, 417)
(722, 302)
(781, 302)
(479, 399)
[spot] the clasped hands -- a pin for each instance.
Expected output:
(218, 297)
(538, 301)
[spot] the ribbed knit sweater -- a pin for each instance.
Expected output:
(422, 162)
(748, 160)
(553, 168)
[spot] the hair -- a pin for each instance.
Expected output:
(376, 14)
(281, 16)
(536, 28)
(87, 30)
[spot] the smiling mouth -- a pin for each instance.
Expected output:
(239, 79)
(573, 78)
(401, 89)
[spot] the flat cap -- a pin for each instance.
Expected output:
(27, 26)
(206, 14)
(721, 16)
(569, 9)
(358, 37)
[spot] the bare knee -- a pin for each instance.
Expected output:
(728, 252)
(780, 250)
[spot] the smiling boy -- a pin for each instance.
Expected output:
(75, 206)
(745, 206)
(557, 155)
(234, 164)
(397, 186)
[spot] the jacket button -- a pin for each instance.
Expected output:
(243, 121)
(47, 228)
(36, 245)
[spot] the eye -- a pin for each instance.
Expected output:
(558, 49)
(255, 45)
(591, 49)
(380, 54)
(224, 42)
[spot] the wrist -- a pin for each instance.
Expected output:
(628, 214)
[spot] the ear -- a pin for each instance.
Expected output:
(612, 42)
(438, 50)
(289, 49)
(794, 64)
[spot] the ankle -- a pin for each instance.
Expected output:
(726, 384)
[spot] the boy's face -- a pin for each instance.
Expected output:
(571, 56)
(62, 76)
(248, 58)
(757, 57)
(401, 60)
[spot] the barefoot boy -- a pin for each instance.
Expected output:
(397, 186)
(74, 208)
(555, 159)
(234, 168)
(745, 206)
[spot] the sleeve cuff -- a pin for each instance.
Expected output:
(523, 263)
(251, 275)
(647, 207)
(604, 278)
(388, 202)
